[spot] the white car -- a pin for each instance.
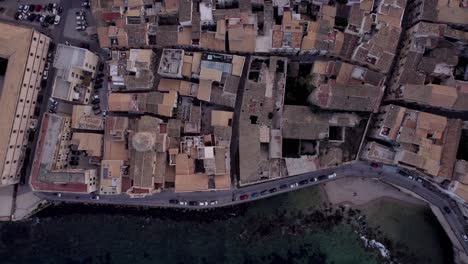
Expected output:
(202, 203)
(80, 18)
(33, 125)
(213, 202)
(95, 197)
(57, 20)
(331, 176)
(42, 19)
(81, 23)
(465, 237)
(80, 28)
(182, 203)
(45, 75)
(294, 185)
(104, 113)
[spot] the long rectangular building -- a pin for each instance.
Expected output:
(23, 51)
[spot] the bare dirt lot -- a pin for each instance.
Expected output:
(360, 191)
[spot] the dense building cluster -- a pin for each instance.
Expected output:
(214, 94)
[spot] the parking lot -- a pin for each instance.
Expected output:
(70, 20)
(41, 14)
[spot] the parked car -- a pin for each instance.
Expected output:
(57, 20)
(95, 107)
(85, 4)
(403, 173)
(202, 203)
(420, 180)
(97, 111)
(82, 44)
(255, 194)
(53, 102)
(97, 86)
(50, 19)
(465, 238)
(293, 185)
(80, 28)
(33, 125)
(32, 7)
(95, 99)
(193, 203)
(38, 18)
(174, 201)
(284, 186)
(182, 203)
(374, 165)
(331, 176)
(272, 190)
(25, 8)
(81, 23)
(101, 67)
(104, 113)
(45, 75)
(95, 197)
(322, 177)
(73, 163)
(32, 17)
(75, 158)
(38, 8)
(60, 9)
(447, 210)
(80, 13)
(50, 6)
(58, 194)
(76, 152)
(244, 197)
(42, 18)
(303, 182)
(80, 18)
(213, 202)
(313, 179)
(100, 75)
(17, 16)
(20, 8)
(98, 81)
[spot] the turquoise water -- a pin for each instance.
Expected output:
(283, 229)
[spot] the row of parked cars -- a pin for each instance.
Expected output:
(95, 100)
(288, 186)
(46, 14)
(81, 23)
(193, 203)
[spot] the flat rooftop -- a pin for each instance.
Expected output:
(15, 42)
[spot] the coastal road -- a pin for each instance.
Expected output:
(232, 197)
